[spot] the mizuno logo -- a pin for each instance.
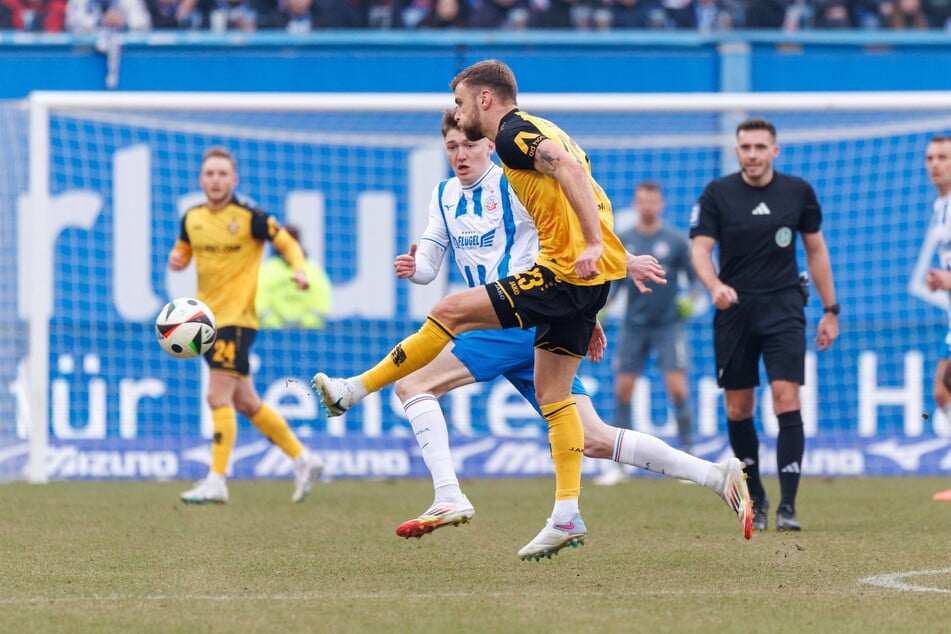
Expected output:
(761, 210)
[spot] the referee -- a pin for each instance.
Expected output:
(754, 216)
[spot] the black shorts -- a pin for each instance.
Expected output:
(563, 314)
(770, 325)
(231, 351)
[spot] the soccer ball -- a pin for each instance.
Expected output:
(185, 328)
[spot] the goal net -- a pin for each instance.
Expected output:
(94, 185)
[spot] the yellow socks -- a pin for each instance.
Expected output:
(409, 355)
(225, 425)
(566, 437)
(276, 429)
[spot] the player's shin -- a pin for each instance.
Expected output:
(653, 454)
(225, 429)
(409, 355)
(429, 427)
(566, 437)
(276, 429)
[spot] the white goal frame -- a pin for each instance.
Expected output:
(42, 103)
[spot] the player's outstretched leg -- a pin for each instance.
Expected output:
(307, 468)
(436, 516)
(736, 494)
(337, 395)
(553, 538)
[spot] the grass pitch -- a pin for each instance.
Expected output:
(660, 556)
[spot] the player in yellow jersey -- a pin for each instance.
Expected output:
(226, 239)
(560, 296)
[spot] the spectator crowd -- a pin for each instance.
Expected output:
(301, 16)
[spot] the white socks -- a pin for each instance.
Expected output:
(429, 426)
(564, 511)
(653, 454)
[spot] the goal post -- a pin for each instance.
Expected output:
(110, 173)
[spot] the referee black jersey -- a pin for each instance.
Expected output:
(755, 229)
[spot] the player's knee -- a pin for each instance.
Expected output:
(739, 412)
(597, 447)
(405, 388)
(216, 400)
(677, 396)
(451, 312)
(946, 381)
(247, 407)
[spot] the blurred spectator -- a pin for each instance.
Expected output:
(800, 15)
(89, 16)
(340, 14)
(501, 14)
(765, 14)
(939, 13)
(865, 14)
(905, 14)
(281, 304)
(383, 14)
(293, 16)
(832, 14)
(446, 14)
(638, 14)
(700, 15)
(238, 15)
(412, 12)
(175, 14)
(580, 15)
(47, 16)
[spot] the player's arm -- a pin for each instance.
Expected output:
(938, 280)
(926, 282)
(820, 270)
(701, 257)
(598, 343)
(290, 248)
(552, 159)
(642, 268)
(421, 264)
(704, 232)
(181, 253)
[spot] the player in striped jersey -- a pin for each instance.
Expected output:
(560, 295)
(478, 218)
(938, 164)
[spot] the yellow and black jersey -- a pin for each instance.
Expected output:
(559, 230)
(227, 245)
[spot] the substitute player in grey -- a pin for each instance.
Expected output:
(654, 325)
(754, 216)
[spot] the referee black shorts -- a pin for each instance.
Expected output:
(771, 326)
(563, 314)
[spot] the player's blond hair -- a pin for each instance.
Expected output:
(491, 74)
(219, 152)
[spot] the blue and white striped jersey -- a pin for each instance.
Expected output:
(488, 230)
(941, 230)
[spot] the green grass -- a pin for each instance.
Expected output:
(661, 556)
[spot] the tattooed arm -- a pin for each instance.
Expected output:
(554, 160)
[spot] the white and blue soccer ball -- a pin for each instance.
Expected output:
(186, 328)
